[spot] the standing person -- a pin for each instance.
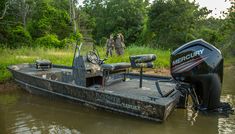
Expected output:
(119, 44)
(109, 45)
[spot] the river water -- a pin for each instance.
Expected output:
(21, 112)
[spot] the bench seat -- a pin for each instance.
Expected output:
(116, 66)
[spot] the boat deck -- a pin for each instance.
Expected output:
(129, 88)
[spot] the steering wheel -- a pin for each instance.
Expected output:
(93, 57)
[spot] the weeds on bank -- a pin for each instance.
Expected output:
(65, 56)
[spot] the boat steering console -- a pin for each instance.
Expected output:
(94, 58)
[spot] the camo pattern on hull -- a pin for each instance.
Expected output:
(151, 110)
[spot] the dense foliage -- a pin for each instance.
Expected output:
(173, 22)
(35, 23)
(162, 24)
(114, 16)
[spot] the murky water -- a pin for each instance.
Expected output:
(21, 112)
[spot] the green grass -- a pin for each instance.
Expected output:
(65, 57)
(163, 57)
(29, 55)
(230, 61)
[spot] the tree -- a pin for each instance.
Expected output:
(24, 8)
(113, 16)
(173, 22)
(46, 19)
(229, 31)
(4, 5)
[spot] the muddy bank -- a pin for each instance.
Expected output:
(155, 71)
(8, 85)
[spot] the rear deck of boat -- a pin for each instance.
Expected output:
(148, 92)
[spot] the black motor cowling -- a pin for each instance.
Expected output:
(200, 64)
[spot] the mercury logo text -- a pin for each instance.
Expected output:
(188, 56)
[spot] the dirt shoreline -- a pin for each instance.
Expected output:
(8, 85)
(155, 71)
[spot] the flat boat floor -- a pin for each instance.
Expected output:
(129, 88)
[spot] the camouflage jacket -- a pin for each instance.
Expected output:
(110, 43)
(119, 43)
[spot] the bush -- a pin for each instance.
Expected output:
(75, 36)
(68, 42)
(49, 41)
(103, 41)
(19, 37)
(4, 35)
(72, 39)
(211, 36)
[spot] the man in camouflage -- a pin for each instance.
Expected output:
(109, 46)
(119, 44)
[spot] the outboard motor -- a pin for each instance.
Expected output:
(198, 68)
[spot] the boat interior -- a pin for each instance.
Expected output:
(121, 83)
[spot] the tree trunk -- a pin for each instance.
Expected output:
(24, 13)
(4, 10)
(74, 17)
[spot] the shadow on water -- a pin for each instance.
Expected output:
(21, 112)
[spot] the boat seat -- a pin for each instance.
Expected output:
(114, 68)
(43, 64)
(142, 61)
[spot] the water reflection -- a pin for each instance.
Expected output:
(227, 125)
(229, 81)
(21, 112)
(192, 115)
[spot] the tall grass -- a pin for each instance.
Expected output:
(229, 61)
(65, 56)
(162, 61)
(29, 55)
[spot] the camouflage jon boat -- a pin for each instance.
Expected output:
(112, 87)
(119, 96)
(107, 86)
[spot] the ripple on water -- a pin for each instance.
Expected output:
(226, 125)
